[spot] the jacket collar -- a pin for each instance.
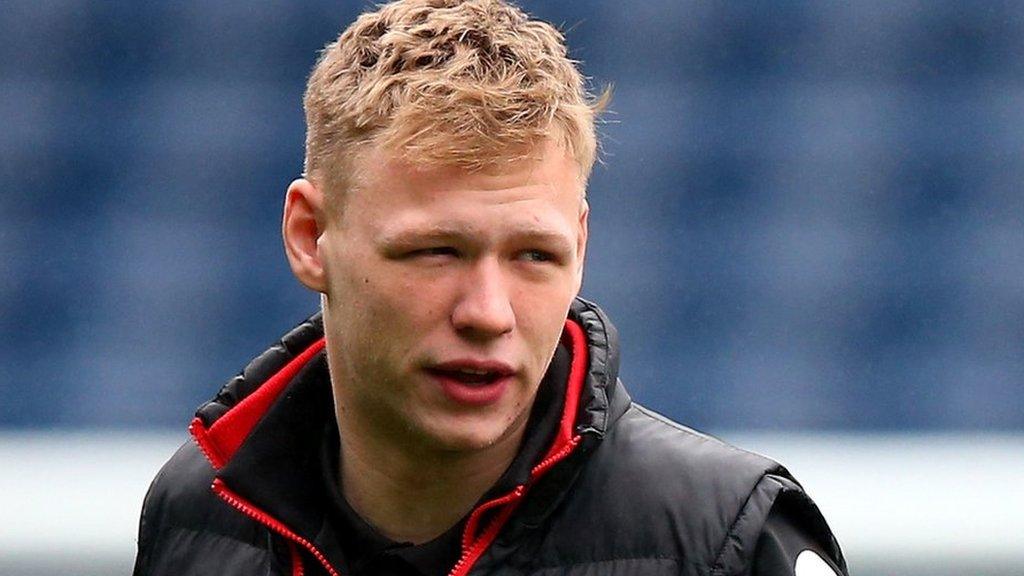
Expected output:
(226, 421)
(277, 395)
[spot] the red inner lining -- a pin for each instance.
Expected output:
(221, 441)
(576, 340)
(293, 550)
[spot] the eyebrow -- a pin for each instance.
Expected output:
(443, 232)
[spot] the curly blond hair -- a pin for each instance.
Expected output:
(469, 83)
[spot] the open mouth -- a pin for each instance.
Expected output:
(472, 382)
(472, 387)
(469, 376)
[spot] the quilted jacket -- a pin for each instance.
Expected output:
(621, 490)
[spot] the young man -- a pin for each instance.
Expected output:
(455, 408)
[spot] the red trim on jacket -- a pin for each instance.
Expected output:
(250, 510)
(293, 551)
(221, 440)
(198, 431)
(576, 341)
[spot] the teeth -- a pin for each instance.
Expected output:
(473, 372)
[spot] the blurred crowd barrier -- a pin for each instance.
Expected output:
(901, 505)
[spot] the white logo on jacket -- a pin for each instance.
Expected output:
(808, 563)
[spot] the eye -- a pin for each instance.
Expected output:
(537, 256)
(434, 251)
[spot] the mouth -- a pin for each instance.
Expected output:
(472, 372)
(468, 377)
(472, 382)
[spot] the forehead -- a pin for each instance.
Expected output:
(375, 161)
(386, 187)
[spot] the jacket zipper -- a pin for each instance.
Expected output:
(474, 547)
(262, 517)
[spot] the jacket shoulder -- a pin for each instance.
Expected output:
(186, 529)
(650, 441)
(662, 492)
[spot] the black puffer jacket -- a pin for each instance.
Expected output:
(622, 490)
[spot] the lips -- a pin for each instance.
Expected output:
(472, 382)
(472, 371)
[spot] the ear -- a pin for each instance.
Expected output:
(581, 243)
(303, 224)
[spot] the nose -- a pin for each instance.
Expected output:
(484, 309)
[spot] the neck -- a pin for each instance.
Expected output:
(415, 495)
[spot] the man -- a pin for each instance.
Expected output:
(455, 409)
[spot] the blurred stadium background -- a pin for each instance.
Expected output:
(808, 228)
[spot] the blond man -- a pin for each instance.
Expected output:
(455, 408)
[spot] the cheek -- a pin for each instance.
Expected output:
(398, 305)
(542, 320)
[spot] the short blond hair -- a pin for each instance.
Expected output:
(468, 83)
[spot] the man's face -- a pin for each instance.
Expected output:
(446, 295)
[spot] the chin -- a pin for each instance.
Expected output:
(465, 440)
(457, 435)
